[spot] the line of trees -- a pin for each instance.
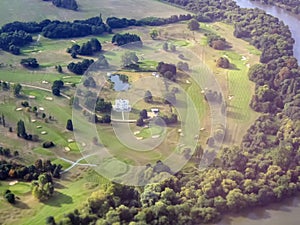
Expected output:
(79, 68)
(115, 22)
(123, 39)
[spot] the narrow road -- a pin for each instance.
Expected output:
(45, 89)
(76, 163)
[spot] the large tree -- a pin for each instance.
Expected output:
(129, 58)
(148, 96)
(43, 188)
(29, 63)
(69, 125)
(21, 131)
(17, 89)
(193, 24)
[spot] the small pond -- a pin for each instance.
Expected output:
(120, 82)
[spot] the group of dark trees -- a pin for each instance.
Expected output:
(89, 82)
(80, 67)
(184, 66)
(10, 197)
(11, 41)
(216, 42)
(87, 49)
(103, 119)
(30, 63)
(67, 4)
(14, 170)
(123, 39)
(21, 131)
(173, 119)
(7, 152)
(93, 102)
(223, 62)
(56, 86)
(103, 106)
(167, 70)
(20, 32)
(114, 22)
(167, 46)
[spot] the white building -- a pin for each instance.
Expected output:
(122, 105)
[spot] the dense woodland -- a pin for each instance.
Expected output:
(264, 168)
(289, 5)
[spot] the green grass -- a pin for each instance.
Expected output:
(26, 76)
(74, 147)
(181, 43)
(151, 131)
(148, 64)
(43, 152)
(253, 50)
(64, 164)
(63, 201)
(20, 188)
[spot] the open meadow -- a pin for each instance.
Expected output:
(33, 10)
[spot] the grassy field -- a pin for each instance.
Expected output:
(31, 10)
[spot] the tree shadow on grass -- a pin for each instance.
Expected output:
(59, 186)
(21, 205)
(233, 67)
(235, 115)
(58, 199)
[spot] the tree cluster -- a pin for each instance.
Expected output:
(167, 70)
(56, 29)
(43, 188)
(80, 67)
(223, 62)
(114, 22)
(30, 63)
(123, 39)
(87, 49)
(216, 42)
(13, 40)
(13, 170)
(56, 87)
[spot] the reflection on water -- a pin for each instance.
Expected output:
(287, 212)
(119, 84)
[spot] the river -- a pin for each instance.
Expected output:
(288, 211)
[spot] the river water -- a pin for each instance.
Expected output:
(288, 211)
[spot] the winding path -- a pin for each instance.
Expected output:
(76, 163)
